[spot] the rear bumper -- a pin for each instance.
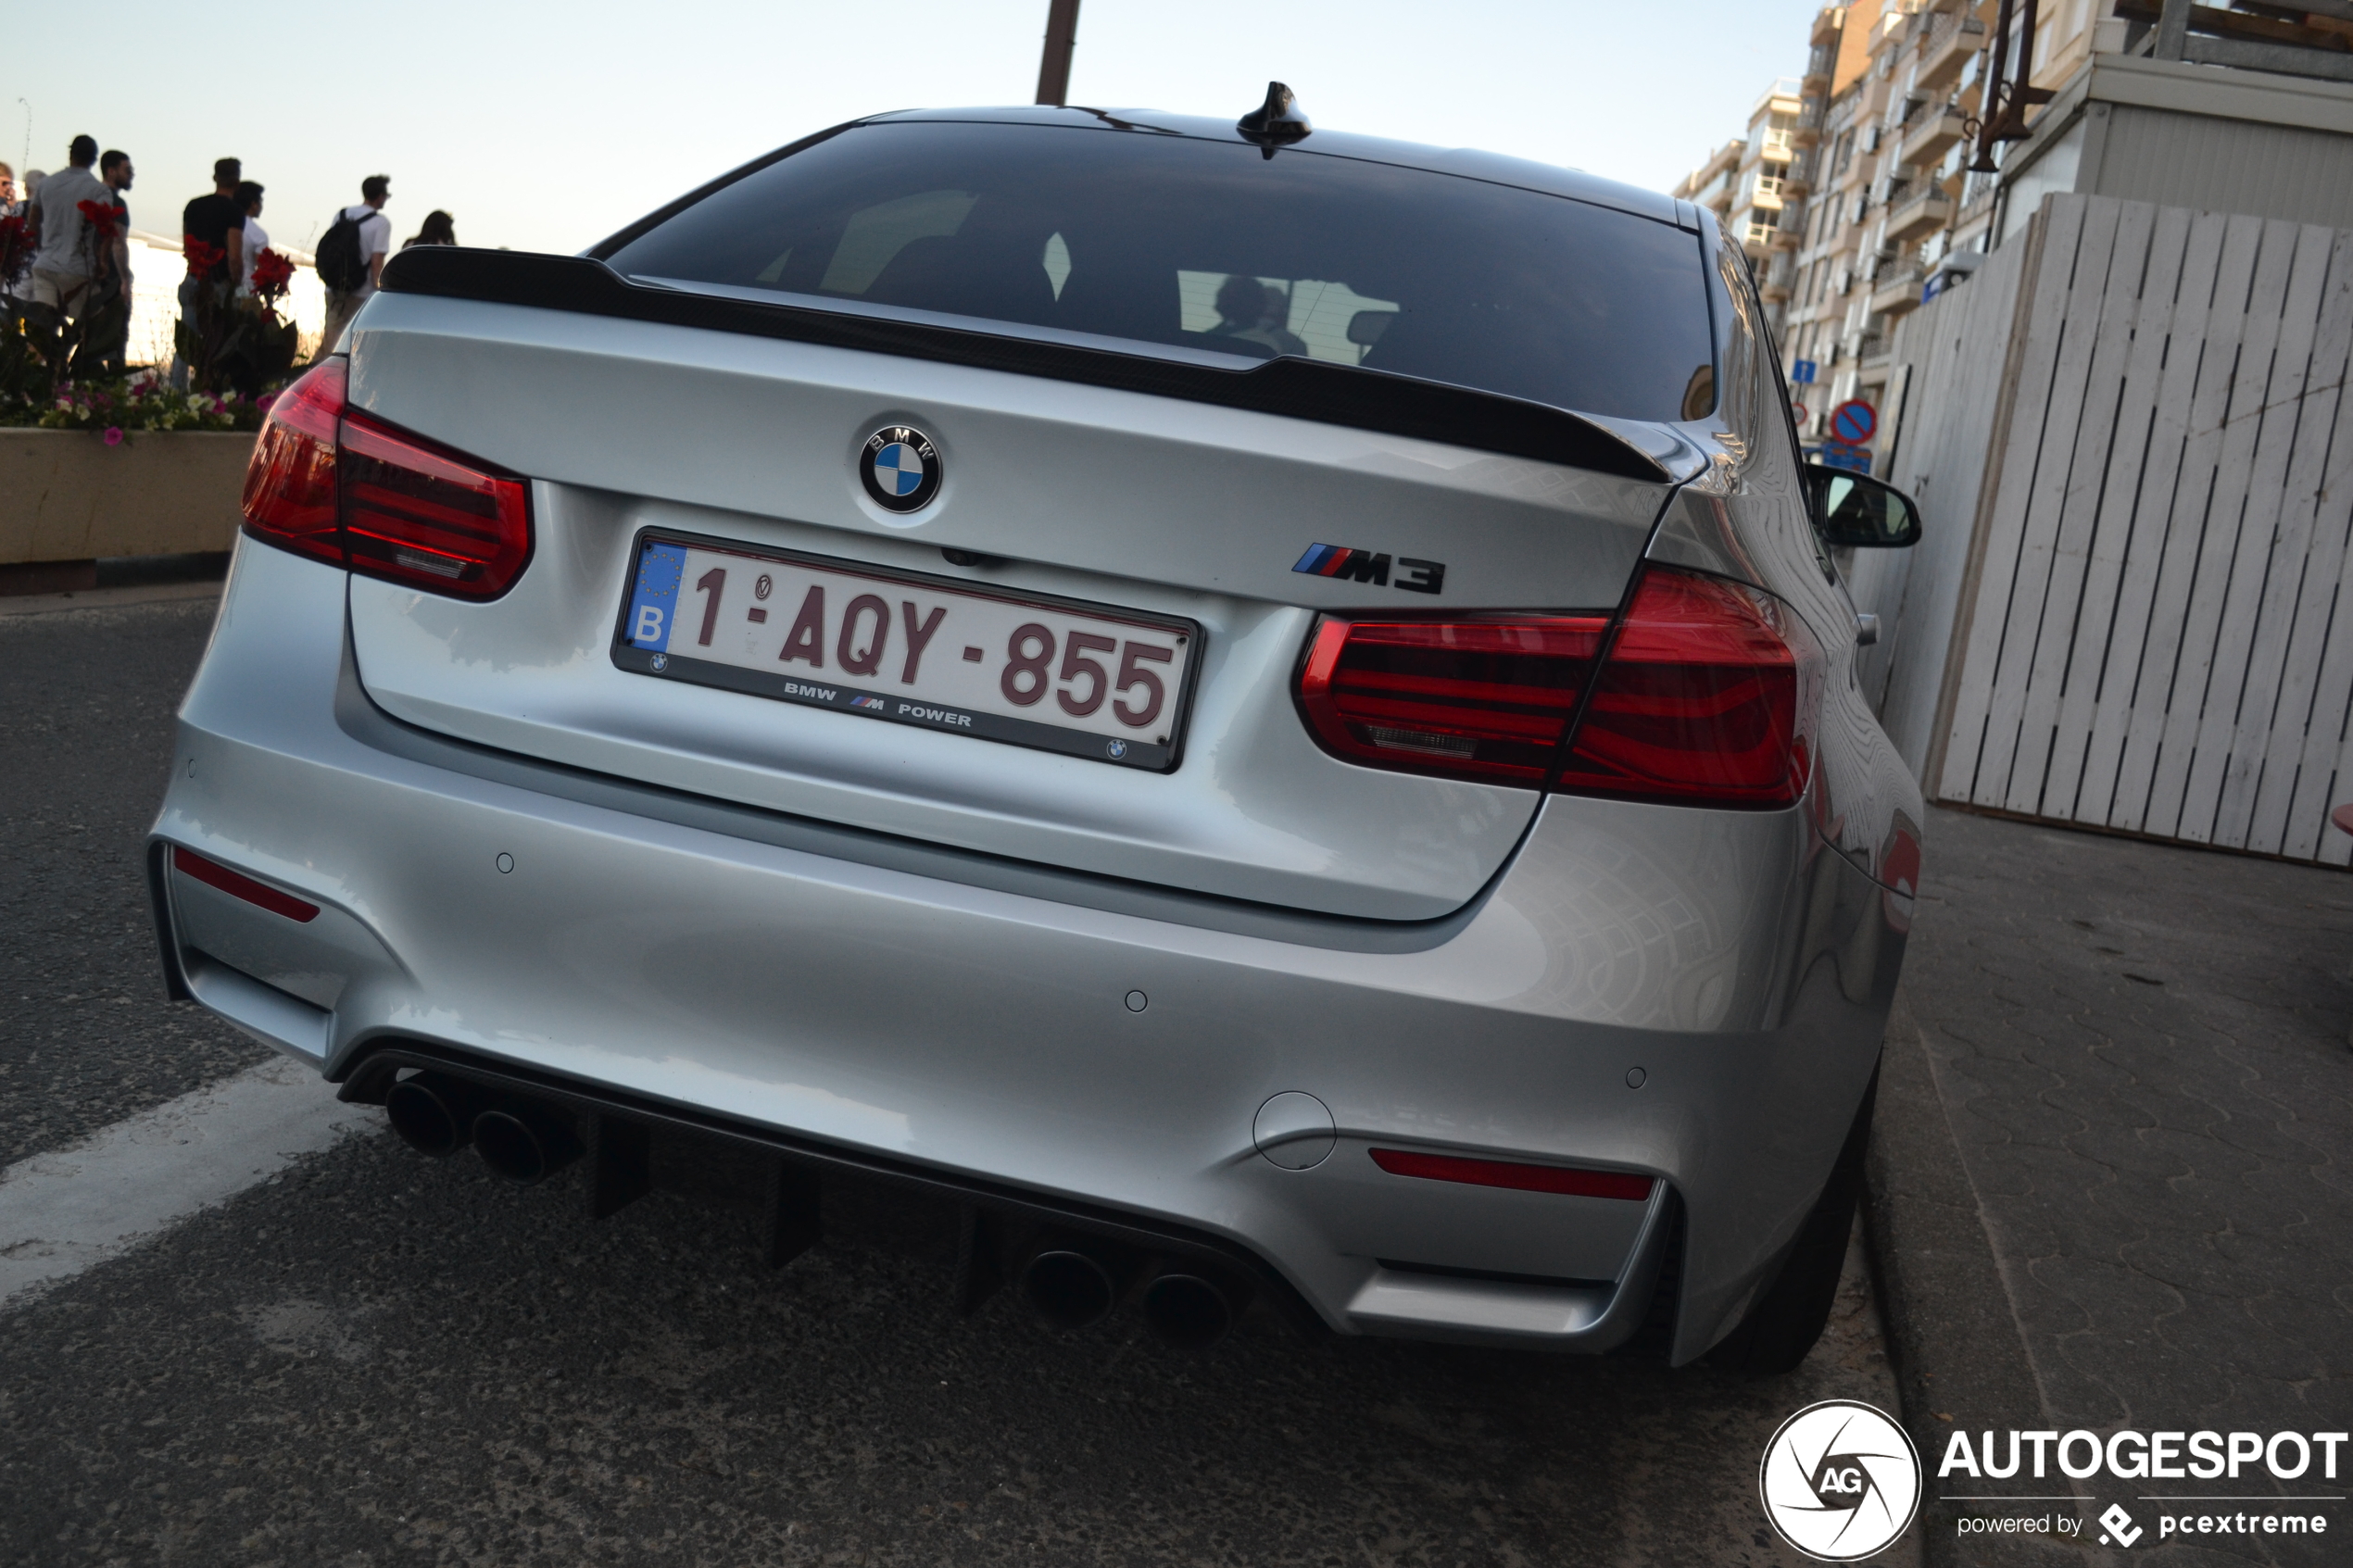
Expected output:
(945, 1021)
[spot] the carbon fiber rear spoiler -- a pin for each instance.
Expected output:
(1300, 389)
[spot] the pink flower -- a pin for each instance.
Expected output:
(114, 435)
(267, 399)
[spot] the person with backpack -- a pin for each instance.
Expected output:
(351, 257)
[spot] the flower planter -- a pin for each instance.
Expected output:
(67, 499)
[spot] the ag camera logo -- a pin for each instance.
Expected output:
(1840, 1480)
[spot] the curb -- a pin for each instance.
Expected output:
(1960, 1359)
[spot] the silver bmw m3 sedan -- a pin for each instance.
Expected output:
(1268, 714)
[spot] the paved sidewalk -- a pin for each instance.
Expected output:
(2137, 1057)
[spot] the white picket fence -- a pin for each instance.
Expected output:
(2152, 628)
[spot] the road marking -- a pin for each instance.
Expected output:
(63, 1211)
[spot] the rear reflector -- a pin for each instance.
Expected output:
(212, 873)
(1475, 699)
(345, 487)
(1510, 1173)
(1707, 697)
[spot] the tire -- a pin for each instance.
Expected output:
(1785, 1321)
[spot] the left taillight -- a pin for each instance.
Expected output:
(342, 486)
(290, 482)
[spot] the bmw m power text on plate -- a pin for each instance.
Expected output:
(1269, 714)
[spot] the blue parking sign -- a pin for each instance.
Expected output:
(1802, 373)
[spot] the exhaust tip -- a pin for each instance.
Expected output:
(1186, 1312)
(429, 1115)
(1068, 1289)
(524, 1145)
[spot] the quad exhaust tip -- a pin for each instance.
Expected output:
(523, 1143)
(433, 1114)
(438, 1115)
(1068, 1288)
(1186, 1312)
(1077, 1285)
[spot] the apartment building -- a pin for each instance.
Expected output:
(1871, 207)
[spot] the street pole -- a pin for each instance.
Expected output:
(1053, 67)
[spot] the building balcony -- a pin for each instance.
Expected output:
(1919, 215)
(1829, 22)
(1774, 291)
(1897, 290)
(1951, 42)
(1930, 135)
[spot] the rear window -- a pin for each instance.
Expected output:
(1204, 244)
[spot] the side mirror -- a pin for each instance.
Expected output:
(1859, 513)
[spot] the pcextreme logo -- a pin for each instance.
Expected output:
(1840, 1480)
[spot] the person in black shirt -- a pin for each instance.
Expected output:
(216, 221)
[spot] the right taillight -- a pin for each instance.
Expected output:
(1706, 697)
(327, 482)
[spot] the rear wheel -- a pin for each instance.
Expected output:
(1789, 1317)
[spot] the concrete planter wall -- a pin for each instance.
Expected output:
(68, 497)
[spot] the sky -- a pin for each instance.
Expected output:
(548, 126)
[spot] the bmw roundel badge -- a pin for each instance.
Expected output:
(900, 466)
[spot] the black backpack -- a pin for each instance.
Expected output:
(341, 266)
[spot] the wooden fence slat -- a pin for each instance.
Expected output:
(1984, 347)
(2254, 464)
(2328, 745)
(2291, 640)
(2075, 618)
(2037, 525)
(2021, 435)
(2219, 265)
(2131, 534)
(2214, 473)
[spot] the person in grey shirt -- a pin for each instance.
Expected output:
(68, 257)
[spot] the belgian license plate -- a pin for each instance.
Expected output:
(1057, 674)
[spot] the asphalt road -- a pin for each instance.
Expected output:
(373, 1356)
(86, 699)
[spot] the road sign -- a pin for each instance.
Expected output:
(1835, 456)
(1797, 412)
(1854, 422)
(1802, 373)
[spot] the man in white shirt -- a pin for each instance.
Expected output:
(257, 238)
(67, 259)
(376, 244)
